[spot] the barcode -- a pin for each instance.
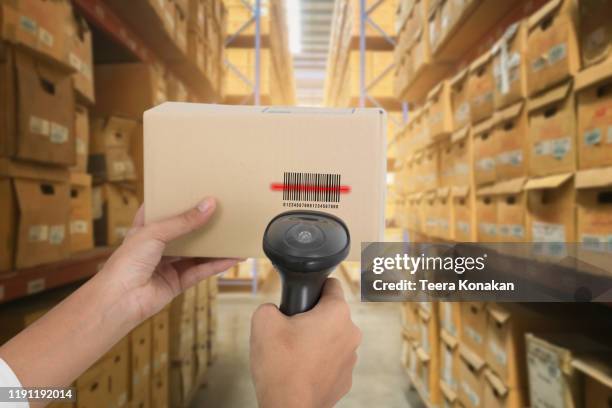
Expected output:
(311, 187)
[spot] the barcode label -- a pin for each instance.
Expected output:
(315, 187)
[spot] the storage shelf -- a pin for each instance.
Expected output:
(29, 281)
(248, 41)
(136, 26)
(373, 43)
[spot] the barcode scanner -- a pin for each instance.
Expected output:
(305, 247)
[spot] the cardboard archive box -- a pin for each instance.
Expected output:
(118, 372)
(460, 101)
(440, 115)
(511, 206)
(114, 208)
(278, 156)
(182, 346)
(471, 378)
(79, 49)
(594, 219)
(463, 213)
(35, 213)
(109, 149)
(509, 66)
(140, 366)
(92, 386)
(595, 31)
(474, 327)
(81, 135)
(145, 82)
(510, 130)
(480, 84)
(461, 150)
(552, 45)
(594, 99)
(552, 132)
(485, 148)
(449, 361)
(81, 218)
(486, 214)
(551, 216)
(38, 124)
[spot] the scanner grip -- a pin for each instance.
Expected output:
(301, 291)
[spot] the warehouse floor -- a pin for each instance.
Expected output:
(379, 379)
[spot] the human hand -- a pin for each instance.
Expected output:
(142, 278)
(307, 360)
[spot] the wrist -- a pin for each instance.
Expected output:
(281, 396)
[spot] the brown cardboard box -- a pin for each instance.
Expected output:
(486, 215)
(551, 214)
(429, 168)
(461, 157)
(594, 215)
(480, 84)
(552, 45)
(196, 15)
(594, 100)
(450, 318)
(558, 364)
(471, 378)
(140, 367)
(118, 371)
(440, 114)
(262, 164)
(165, 10)
(496, 394)
(429, 328)
(510, 134)
(145, 82)
(37, 25)
(598, 385)
(32, 236)
(595, 31)
(114, 208)
(160, 393)
(511, 203)
(449, 360)
(91, 387)
(81, 135)
(485, 148)
(410, 321)
(446, 163)
(428, 207)
(38, 120)
(443, 213)
(110, 140)
(79, 50)
(181, 381)
(463, 210)
(474, 327)
(195, 52)
(460, 101)
(427, 375)
(182, 326)
(81, 220)
(161, 341)
(509, 66)
(180, 34)
(552, 132)
(177, 91)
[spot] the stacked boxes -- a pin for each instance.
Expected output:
(182, 346)
(160, 370)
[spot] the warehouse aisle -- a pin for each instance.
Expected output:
(379, 378)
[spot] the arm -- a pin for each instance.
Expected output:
(307, 360)
(134, 284)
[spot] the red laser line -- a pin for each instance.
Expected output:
(304, 187)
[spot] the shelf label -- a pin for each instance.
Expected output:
(35, 286)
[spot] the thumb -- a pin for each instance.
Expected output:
(171, 228)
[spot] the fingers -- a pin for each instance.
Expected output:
(174, 227)
(139, 218)
(192, 272)
(265, 315)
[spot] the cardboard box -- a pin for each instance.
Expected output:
(81, 135)
(552, 45)
(461, 151)
(91, 387)
(594, 215)
(510, 130)
(114, 208)
(160, 393)
(474, 327)
(509, 66)
(196, 49)
(511, 204)
(440, 114)
(427, 375)
(32, 237)
(110, 140)
(165, 10)
(145, 82)
(429, 219)
(140, 367)
(595, 32)
(446, 163)
(429, 329)
(480, 84)
(81, 219)
(182, 326)
(463, 214)
(551, 217)
(277, 133)
(450, 318)
(486, 215)
(594, 100)
(598, 386)
(181, 382)
(559, 366)
(449, 360)
(38, 25)
(485, 148)
(460, 100)
(552, 132)
(471, 378)
(443, 213)
(496, 394)
(118, 371)
(177, 91)
(38, 120)
(180, 33)
(79, 49)
(161, 341)
(429, 168)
